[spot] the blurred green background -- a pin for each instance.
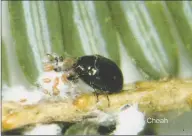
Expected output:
(148, 40)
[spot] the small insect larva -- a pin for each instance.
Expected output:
(56, 82)
(46, 80)
(48, 67)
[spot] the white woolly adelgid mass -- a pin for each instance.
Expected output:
(52, 129)
(26, 97)
(47, 81)
(130, 121)
(31, 96)
(21, 94)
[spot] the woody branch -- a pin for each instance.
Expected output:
(151, 96)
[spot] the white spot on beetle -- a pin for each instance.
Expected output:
(82, 68)
(94, 71)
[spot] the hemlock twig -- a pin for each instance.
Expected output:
(151, 96)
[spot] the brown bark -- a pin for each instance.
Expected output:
(151, 96)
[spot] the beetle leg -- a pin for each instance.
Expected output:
(96, 93)
(97, 97)
(73, 77)
(108, 100)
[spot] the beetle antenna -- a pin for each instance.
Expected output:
(108, 101)
(56, 59)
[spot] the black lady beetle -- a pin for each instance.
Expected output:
(102, 74)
